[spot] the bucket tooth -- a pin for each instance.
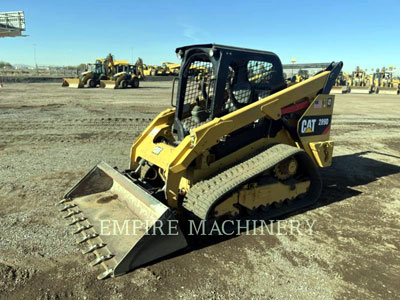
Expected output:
(94, 247)
(72, 213)
(68, 206)
(87, 237)
(77, 220)
(101, 259)
(64, 201)
(105, 274)
(82, 228)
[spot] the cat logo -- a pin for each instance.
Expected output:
(308, 126)
(314, 125)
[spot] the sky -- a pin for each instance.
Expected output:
(361, 33)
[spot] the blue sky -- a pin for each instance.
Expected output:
(364, 33)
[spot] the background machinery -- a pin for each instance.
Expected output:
(300, 76)
(102, 69)
(232, 144)
(152, 70)
(166, 69)
(383, 82)
(360, 82)
(342, 84)
(125, 75)
(171, 68)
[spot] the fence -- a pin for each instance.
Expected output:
(52, 72)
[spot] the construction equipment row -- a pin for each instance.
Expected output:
(380, 82)
(108, 73)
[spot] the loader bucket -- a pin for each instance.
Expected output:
(388, 91)
(360, 90)
(338, 90)
(73, 83)
(124, 226)
(108, 84)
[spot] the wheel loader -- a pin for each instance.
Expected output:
(232, 144)
(125, 76)
(360, 83)
(383, 83)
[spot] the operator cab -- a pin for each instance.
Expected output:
(215, 80)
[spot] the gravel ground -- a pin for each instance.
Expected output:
(51, 136)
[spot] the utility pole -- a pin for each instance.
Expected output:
(34, 57)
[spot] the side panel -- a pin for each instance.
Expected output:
(313, 129)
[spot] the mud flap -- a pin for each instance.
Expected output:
(123, 225)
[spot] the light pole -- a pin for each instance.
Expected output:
(293, 60)
(34, 56)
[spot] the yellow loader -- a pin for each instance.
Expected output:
(384, 84)
(125, 76)
(342, 84)
(91, 78)
(360, 83)
(226, 149)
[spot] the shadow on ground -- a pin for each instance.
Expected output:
(346, 172)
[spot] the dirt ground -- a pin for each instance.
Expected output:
(51, 136)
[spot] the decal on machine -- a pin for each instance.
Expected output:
(157, 150)
(314, 125)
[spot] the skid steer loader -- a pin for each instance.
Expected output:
(228, 147)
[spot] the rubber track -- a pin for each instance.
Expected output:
(204, 194)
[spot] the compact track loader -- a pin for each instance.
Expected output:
(236, 140)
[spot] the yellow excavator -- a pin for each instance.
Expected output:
(383, 83)
(227, 149)
(91, 78)
(125, 76)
